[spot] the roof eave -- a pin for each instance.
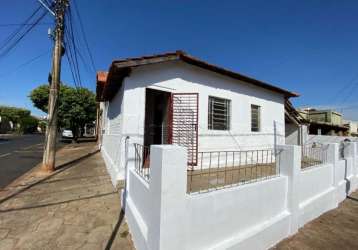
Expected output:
(180, 55)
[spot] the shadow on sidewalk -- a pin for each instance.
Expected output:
(58, 170)
(352, 198)
(56, 203)
(115, 230)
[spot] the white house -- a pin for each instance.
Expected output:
(174, 98)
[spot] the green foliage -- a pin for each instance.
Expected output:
(28, 124)
(13, 114)
(39, 97)
(77, 106)
(24, 122)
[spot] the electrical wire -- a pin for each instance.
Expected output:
(22, 24)
(25, 64)
(18, 37)
(18, 30)
(84, 35)
(74, 47)
(72, 54)
(70, 58)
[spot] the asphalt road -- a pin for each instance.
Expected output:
(19, 154)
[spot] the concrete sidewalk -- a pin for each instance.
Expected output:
(74, 208)
(336, 229)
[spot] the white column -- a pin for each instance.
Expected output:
(349, 149)
(356, 160)
(350, 153)
(168, 183)
(338, 170)
(333, 158)
(290, 166)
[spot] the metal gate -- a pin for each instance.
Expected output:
(184, 123)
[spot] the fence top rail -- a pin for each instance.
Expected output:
(241, 151)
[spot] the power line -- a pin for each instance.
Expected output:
(14, 39)
(350, 93)
(343, 89)
(18, 30)
(25, 64)
(70, 58)
(74, 46)
(84, 36)
(21, 24)
(71, 48)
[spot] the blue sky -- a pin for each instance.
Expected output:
(307, 46)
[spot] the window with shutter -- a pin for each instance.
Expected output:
(219, 113)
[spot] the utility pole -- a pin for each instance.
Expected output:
(48, 162)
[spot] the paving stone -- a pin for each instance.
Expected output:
(71, 239)
(3, 233)
(91, 246)
(52, 225)
(100, 234)
(66, 211)
(7, 244)
(335, 229)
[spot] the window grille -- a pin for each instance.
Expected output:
(219, 113)
(255, 118)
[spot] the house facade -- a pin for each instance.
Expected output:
(175, 98)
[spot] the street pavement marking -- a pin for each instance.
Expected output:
(27, 151)
(32, 146)
(4, 155)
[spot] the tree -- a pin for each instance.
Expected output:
(28, 124)
(21, 118)
(77, 106)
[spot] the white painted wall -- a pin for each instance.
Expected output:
(232, 214)
(292, 134)
(161, 215)
(112, 147)
(178, 77)
(296, 135)
(316, 192)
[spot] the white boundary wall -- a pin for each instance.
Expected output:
(161, 215)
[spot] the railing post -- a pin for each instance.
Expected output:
(290, 166)
(168, 184)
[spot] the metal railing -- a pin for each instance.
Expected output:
(141, 161)
(221, 169)
(313, 154)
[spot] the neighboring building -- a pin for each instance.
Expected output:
(324, 122)
(353, 127)
(296, 126)
(175, 98)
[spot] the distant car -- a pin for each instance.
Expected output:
(67, 134)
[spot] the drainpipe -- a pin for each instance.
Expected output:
(126, 144)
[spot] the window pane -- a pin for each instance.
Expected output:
(255, 118)
(219, 113)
